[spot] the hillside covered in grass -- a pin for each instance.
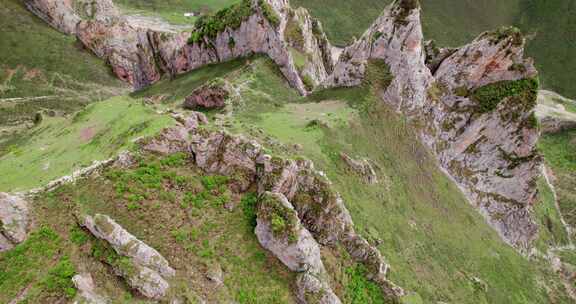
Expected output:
(43, 70)
(225, 184)
(435, 259)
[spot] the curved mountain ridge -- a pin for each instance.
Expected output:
(474, 107)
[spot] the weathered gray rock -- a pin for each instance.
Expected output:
(87, 290)
(215, 274)
(143, 268)
(126, 244)
(279, 230)
(313, 290)
(319, 208)
(553, 112)
(361, 167)
(145, 280)
(14, 220)
(126, 48)
(140, 54)
(489, 152)
(59, 14)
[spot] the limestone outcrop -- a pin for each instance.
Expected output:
(14, 221)
(142, 266)
(280, 231)
(140, 55)
(319, 208)
(475, 106)
(554, 112)
(87, 293)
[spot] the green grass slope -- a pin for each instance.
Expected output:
(60, 145)
(560, 153)
(453, 23)
(438, 246)
(173, 10)
(169, 205)
(38, 61)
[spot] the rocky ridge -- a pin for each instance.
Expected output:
(141, 55)
(474, 104)
(474, 107)
(311, 205)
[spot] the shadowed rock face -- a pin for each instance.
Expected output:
(280, 231)
(475, 111)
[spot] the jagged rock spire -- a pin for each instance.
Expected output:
(476, 110)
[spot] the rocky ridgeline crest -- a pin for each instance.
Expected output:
(141, 55)
(298, 210)
(474, 107)
(474, 104)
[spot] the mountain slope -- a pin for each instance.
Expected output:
(453, 23)
(37, 61)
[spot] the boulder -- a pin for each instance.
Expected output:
(361, 167)
(14, 220)
(146, 281)
(125, 244)
(143, 268)
(279, 230)
(313, 290)
(87, 290)
(207, 97)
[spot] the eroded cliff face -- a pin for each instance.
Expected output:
(140, 55)
(474, 107)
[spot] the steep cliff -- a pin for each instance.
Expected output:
(140, 54)
(475, 110)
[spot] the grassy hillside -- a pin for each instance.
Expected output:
(457, 261)
(454, 23)
(169, 205)
(173, 10)
(60, 145)
(38, 61)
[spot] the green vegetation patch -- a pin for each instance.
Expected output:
(59, 146)
(35, 269)
(560, 153)
(182, 213)
(525, 92)
(283, 220)
(209, 26)
(231, 17)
